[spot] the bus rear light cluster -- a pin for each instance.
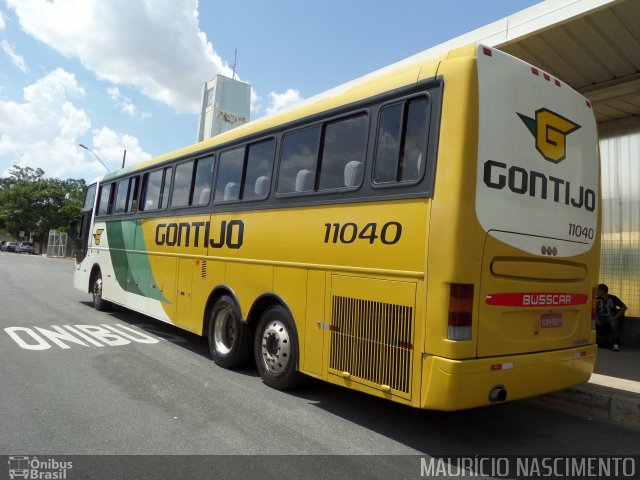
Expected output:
(546, 76)
(460, 311)
(536, 71)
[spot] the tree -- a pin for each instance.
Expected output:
(31, 203)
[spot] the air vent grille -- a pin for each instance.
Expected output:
(372, 341)
(203, 269)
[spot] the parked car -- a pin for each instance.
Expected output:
(9, 247)
(26, 247)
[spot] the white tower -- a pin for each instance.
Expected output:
(225, 105)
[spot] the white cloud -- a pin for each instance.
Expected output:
(111, 145)
(44, 130)
(3, 24)
(10, 52)
(125, 104)
(155, 46)
(254, 105)
(282, 100)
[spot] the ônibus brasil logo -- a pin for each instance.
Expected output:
(550, 131)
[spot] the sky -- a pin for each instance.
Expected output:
(119, 75)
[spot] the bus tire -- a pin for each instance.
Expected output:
(276, 349)
(99, 303)
(229, 338)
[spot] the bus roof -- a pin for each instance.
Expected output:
(393, 76)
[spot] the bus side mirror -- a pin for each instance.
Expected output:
(73, 229)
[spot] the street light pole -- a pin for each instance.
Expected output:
(94, 154)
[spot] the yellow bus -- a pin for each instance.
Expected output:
(428, 234)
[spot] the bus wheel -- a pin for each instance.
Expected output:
(96, 289)
(276, 349)
(229, 338)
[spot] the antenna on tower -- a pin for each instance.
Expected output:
(235, 59)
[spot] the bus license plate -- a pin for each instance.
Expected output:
(551, 320)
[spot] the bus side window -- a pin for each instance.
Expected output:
(388, 148)
(229, 175)
(343, 153)
(105, 200)
(90, 197)
(121, 196)
(151, 188)
(257, 178)
(415, 141)
(401, 143)
(132, 199)
(298, 160)
(166, 188)
(202, 182)
(182, 185)
(127, 195)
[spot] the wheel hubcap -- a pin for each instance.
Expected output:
(276, 346)
(97, 289)
(224, 332)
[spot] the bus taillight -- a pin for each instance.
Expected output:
(460, 311)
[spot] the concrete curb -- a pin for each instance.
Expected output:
(596, 402)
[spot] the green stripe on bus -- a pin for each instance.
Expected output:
(128, 255)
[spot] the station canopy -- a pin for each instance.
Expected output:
(592, 45)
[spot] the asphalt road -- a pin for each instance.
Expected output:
(166, 396)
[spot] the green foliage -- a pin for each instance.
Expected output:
(31, 203)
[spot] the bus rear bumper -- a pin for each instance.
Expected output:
(458, 384)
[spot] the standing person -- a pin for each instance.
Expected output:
(610, 312)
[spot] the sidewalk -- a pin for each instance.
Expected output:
(612, 394)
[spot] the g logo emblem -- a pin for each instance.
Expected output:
(97, 235)
(550, 131)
